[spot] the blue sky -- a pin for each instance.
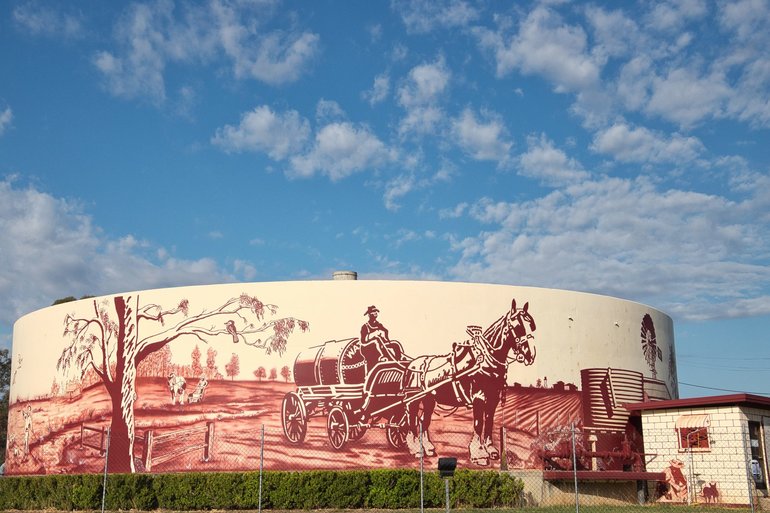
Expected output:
(615, 148)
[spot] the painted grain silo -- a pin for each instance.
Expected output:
(337, 374)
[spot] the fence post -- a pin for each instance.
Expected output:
(747, 456)
(106, 462)
(422, 490)
(503, 449)
(574, 467)
(261, 465)
(209, 441)
(691, 485)
(147, 452)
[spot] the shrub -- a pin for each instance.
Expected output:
(385, 489)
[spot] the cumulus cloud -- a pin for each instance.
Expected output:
(484, 139)
(545, 45)
(424, 84)
(646, 62)
(340, 150)
(686, 97)
(379, 91)
(419, 95)
(421, 16)
(151, 36)
(6, 117)
(52, 249)
(695, 255)
(397, 188)
(671, 16)
(616, 34)
(639, 144)
(279, 135)
(39, 20)
(549, 164)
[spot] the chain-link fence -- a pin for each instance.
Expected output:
(566, 467)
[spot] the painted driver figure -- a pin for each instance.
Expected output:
(375, 342)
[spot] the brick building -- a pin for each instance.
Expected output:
(710, 449)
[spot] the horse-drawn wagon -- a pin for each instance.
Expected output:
(335, 380)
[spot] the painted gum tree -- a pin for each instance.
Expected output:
(120, 333)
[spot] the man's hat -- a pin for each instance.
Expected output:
(371, 310)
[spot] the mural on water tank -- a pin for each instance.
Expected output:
(122, 374)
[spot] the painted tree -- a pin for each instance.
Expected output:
(260, 373)
(197, 368)
(233, 367)
(273, 374)
(211, 363)
(156, 364)
(285, 373)
(114, 338)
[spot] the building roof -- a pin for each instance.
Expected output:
(751, 400)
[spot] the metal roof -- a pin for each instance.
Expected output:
(751, 400)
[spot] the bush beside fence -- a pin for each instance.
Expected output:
(387, 489)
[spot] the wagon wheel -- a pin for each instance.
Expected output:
(337, 426)
(397, 430)
(294, 418)
(356, 432)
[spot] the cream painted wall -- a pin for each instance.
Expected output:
(574, 330)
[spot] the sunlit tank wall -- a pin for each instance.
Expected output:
(574, 331)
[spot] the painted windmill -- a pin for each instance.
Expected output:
(650, 344)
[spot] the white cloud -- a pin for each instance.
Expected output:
(453, 213)
(396, 189)
(695, 255)
(747, 58)
(425, 84)
(686, 97)
(421, 16)
(488, 211)
(546, 46)
(671, 16)
(6, 117)
(39, 20)
(279, 135)
(549, 164)
(421, 120)
(629, 144)
(279, 57)
(420, 93)
(379, 91)
(51, 249)
(634, 83)
(615, 33)
(245, 269)
(340, 150)
(482, 139)
(152, 36)
(328, 110)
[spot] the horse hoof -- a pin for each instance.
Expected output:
(483, 462)
(430, 452)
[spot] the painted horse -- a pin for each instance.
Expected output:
(476, 382)
(177, 385)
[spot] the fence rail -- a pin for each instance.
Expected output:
(88, 433)
(165, 447)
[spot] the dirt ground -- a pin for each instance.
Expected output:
(238, 411)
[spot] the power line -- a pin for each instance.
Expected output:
(723, 389)
(720, 358)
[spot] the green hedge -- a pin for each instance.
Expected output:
(386, 489)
